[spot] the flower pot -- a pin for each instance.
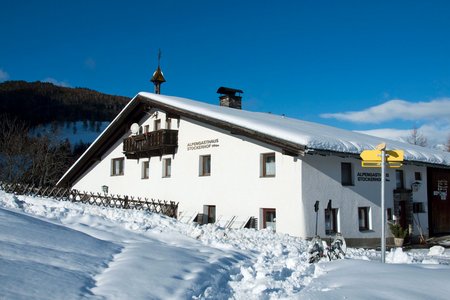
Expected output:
(398, 242)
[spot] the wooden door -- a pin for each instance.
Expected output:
(438, 201)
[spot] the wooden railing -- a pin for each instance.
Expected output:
(155, 143)
(168, 208)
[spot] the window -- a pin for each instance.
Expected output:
(145, 170)
(117, 166)
(331, 223)
(210, 212)
(418, 176)
(167, 167)
(269, 218)
(168, 123)
(346, 173)
(205, 165)
(364, 218)
(389, 214)
(146, 128)
(399, 182)
(268, 165)
(418, 207)
(157, 125)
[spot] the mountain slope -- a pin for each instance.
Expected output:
(39, 103)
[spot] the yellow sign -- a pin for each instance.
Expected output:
(372, 155)
(372, 158)
(377, 164)
(375, 155)
(394, 155)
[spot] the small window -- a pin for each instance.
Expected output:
(269, 218)
(117, 166)
(389, 214)
(399, 181)
(268, 165)
(145, 170)
(364, 218)
(418, 176)
(331, 223)
(418, 207)
(210, 212)
(205, 165)
(167, 167)
(157, 125)
(346, 173)
(168, 123)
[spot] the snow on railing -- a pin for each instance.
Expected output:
(168, 208)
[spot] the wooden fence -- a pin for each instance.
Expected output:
(168, 208)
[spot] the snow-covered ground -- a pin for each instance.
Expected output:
(62, 250)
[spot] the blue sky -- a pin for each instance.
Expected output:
(344, 63)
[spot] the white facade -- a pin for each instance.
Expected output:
(236, 187)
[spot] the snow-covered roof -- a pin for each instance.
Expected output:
(293, 135)
(313, 136)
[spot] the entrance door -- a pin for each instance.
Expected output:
(269, 218)
(438, 201)
(403, 207)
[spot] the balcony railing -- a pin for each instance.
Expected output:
(155, 143)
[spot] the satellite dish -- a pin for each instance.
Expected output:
(134, 128)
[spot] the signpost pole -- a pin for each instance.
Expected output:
(371, 159)
(383, 214)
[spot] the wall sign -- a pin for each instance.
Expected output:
(442, 187)
(203, 144)
(369, 176)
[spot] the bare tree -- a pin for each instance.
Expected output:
(416, 138)
(28, 158)
(13, 149)
(448, 144)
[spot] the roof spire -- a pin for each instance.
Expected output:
(158, 76)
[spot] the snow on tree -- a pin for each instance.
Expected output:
(417, 138)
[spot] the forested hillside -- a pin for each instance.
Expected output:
(38, 103)
(35, 121)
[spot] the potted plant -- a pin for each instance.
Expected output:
(399, 233)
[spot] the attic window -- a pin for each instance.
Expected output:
(157, 125)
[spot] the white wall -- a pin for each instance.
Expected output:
(322, 181)
(234, 187)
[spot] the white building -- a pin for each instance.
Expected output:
(240, 168)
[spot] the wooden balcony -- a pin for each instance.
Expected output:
(155, 143)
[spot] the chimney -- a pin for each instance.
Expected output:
(229, 98)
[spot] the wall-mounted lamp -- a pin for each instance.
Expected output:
(415, 186)
(105, 189)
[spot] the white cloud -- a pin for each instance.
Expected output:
(56, 82)
(397, 110)
(3, 75)
(437, 133)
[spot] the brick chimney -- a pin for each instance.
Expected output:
(229, 98)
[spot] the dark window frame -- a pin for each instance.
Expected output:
(347, 174)
(265, 161)
(399, 179)
(265, 212)
(145, 170)
(118, 170)
(364, 216)
(332, 215)
(205, 165)
(167, 168)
